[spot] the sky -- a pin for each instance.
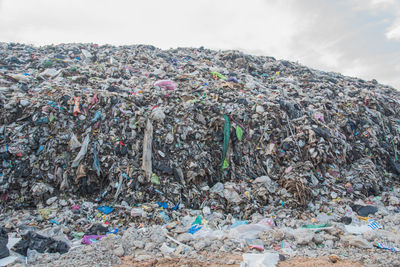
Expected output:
(359, 38)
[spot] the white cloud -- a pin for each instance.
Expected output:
(373, 4)
(393, 33)
(376, 6)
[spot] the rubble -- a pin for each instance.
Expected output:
(137, 151)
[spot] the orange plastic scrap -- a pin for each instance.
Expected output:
(94, 99)
(76, 107)
(363, 218)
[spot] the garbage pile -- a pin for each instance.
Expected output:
(190, 127)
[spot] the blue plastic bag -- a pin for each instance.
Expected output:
(105, 209)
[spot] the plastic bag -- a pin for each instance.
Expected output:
(248, 231)
(4, 252)
(166, 84)
(257, 260)
(82, 152)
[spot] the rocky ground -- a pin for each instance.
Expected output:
(338, 236)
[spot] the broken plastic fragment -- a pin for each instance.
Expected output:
(166, 84)
(239, 133)
(105, 209)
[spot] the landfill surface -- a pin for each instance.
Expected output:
(137, 156)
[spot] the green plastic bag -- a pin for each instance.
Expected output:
(316, 226)
(154, 179)
(219, 75)
(239, 133)
(225, 165)
(226, 140)
(197, 221)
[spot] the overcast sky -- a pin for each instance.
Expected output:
(355, 37)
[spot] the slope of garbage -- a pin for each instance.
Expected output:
(203, 141)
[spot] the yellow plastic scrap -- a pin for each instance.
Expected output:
(46, 212)
(146, 207)
(363, 218)
(154, 179)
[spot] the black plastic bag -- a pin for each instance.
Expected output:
(41, 244)
(4, 252)
(97, 229)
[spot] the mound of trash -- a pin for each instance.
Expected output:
(190, 127)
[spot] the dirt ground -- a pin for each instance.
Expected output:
(213, 260)
(318, 262)
(227, 259)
